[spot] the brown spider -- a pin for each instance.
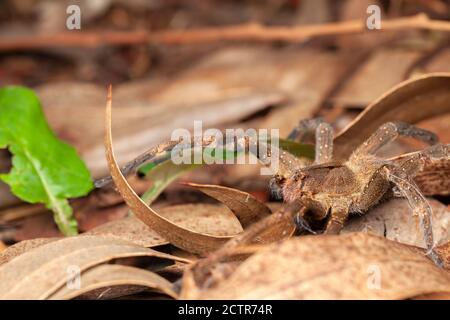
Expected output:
(334, 189)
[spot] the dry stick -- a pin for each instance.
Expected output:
(253, 32)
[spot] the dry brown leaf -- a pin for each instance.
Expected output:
(38, 273)
(106, 276)
(438, 125)
(395, 221)
(439, 63)
(204, 218)
(245, 206)
(411, 101)
(180, 237)
(130, 229)
(209, 219)
(383, 70)
(23, 246)
(352, 266)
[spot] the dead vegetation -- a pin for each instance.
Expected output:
(219, 231)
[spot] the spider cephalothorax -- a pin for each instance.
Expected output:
(333, 190)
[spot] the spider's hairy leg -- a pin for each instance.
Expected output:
(155, 155)
(335, 223)
(323, 137)
(389, 131)
(304, 127)
(324, 143)
(420, 207)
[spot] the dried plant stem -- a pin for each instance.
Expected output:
(245, 32)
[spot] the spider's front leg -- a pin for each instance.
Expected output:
(420, 207)
(388, 132)
(323, 137)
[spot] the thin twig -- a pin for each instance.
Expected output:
(245, 32)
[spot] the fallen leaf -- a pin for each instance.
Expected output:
(395, 221)
(383, 70)
(204, 218)
(180, 237)
(411, 101)
(208, 219)
(246, 208)
(23, 246)
(129, 229)
(352, 266)
(439, 63)
(106, 276)
(438, 125)
(38, 273)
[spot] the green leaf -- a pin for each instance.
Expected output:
(44, 169)
(297, 149)
(162, 175)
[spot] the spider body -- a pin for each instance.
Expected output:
(320, 188)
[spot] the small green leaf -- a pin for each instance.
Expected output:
(297, 149)
(162, 175)
(44, 169)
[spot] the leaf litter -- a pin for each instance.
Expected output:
(241, 248)
(234, 262)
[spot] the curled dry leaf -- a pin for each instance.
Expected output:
(107, 276)
(180, 237)
(411, 101)
(207, 219)
(23, 246)
(245, 206)
(38, 273)
(130, 229)
(395, 221)
(352, 266)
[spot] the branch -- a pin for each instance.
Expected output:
(245, 32)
